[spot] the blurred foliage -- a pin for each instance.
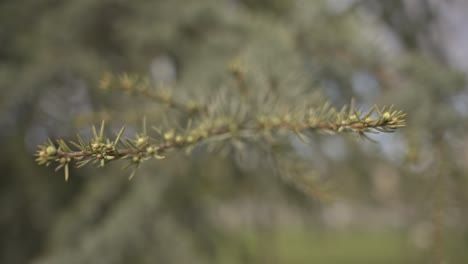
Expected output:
(185, 209)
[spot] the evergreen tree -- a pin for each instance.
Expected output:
(222, 111)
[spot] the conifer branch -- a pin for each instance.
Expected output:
(138, 86)
(101, 150)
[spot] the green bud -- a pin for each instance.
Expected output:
(190, 139)
(386, 116)
(169, 136)
(179, 139)
(95, 146)
(275, 121)
(142, 141)
(150, 150)
(51, 150)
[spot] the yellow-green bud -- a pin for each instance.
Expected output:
(150, 150)
(95, 146)
(386, 116)
(190, 139)
(51, 150)
(275, 121)
(262, 119)
(168, 136)
(141, 141)
(179, 139)
(312, 121)
(166, 96)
